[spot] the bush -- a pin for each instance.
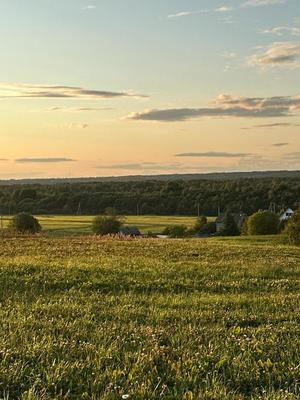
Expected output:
(200, 223)
(263, 223)
(230, 227)
(176, 231)
(244, 227)
(293, 228)
(107, 225)
(25, 223)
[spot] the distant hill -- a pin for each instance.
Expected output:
(218, 176)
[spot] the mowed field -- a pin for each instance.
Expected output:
(79, 225)
(97, 318)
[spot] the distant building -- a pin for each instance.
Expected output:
(239, 219)
(129, 231)
(286, 215)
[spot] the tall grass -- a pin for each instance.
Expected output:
(90, 318)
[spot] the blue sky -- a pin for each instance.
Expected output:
(148, 86)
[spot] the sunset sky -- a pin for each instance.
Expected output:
(126, 87)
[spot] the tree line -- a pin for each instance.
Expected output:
(151, 197)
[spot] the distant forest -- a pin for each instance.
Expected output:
(182, 197)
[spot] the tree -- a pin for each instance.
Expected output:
(200, 223)
(111, 211)
(107, 225)
(176, 231)
(208, 229)
(230, 227)
(25, 223)
(263, 223)
(293, 228)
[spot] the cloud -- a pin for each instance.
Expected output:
(215, 154)
(23, 90)
(281, 30)
(295, 156)
(43, 160)
(89, 7)
(227, 106)
(274, 125)
(258, 3)
(146, 166)
(277, 54)
(226, 8)
(74, 125)
(187, 13)
(280, 144)
(77, 109)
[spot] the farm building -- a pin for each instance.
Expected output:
(285, 215)
(239, 219)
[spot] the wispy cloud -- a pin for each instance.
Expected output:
(224, 9)
(22, 90)
(227, 8)
(295, 156)
(283, 144)
(89, 7)
(188, 13)
(259, 3)
(43, 160)
(227, 106)
(143, 166)
(214, 154)
(77, 109)
(282, 30)
(278, 54)
(272, 126)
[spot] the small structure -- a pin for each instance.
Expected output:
(131, 231)
(239, 219)
(286, 215)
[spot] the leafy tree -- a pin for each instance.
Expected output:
(176, 231)
(25, 223)
(293, 228)
(200, 223)
(107, 225)
(230, 227)
(263, 223)
(244, 229)
(208, 229)
(110, 211)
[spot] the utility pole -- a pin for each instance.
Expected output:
(79, 209)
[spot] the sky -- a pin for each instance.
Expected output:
(127, 87)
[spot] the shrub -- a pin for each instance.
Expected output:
(25, 223)
(107, 225)
(230, 227)
(176, 231)
(293, 228)
(263, 223)
(200, 223)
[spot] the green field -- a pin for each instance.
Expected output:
(97, 318)
(66, 225)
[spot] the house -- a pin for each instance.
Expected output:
(129, 231)
(239, 219)
(286, 215)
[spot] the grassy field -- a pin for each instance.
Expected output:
(92, 318)
(78, 225)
